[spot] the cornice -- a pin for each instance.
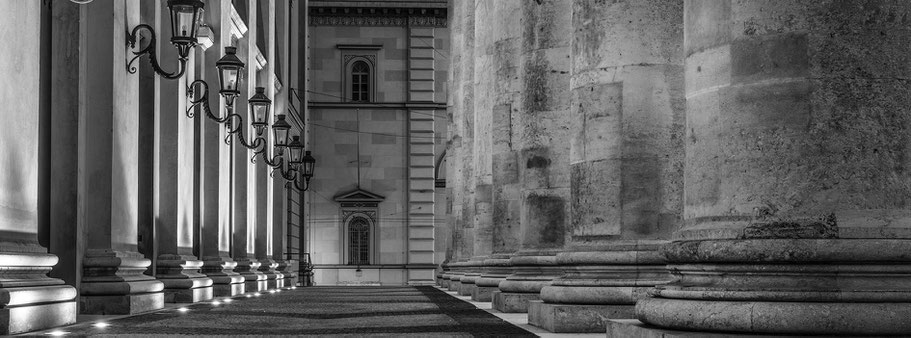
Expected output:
(373, 16)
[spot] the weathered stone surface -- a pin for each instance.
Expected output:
(511, 302)
(561, 318)
(794, 121)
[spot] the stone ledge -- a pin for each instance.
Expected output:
(633, 328)
(575, 318)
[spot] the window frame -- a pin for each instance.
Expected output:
(348, 77)
(371, 239)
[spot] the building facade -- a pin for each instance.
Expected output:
(377, 117)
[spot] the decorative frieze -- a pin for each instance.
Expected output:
(412, 17)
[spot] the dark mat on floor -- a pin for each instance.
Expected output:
(345, 311)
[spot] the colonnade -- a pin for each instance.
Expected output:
(699, 165)
(112, 200)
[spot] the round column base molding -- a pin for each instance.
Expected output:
(593, 295)
(792, 318)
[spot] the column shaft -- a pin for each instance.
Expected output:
(627, 155)
(796, 197)
(542, 155)
(113, 281)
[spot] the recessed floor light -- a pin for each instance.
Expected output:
(228, 300)
(101, 325)
(57, 333)
(183, 309)
(216, 303)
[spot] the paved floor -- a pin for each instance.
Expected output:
(518, 319)
(345, 311)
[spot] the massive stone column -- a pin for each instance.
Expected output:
(499, 44)
(173, 179)
(31, 300)
(113, 281)
(215, 157)
(461, 112)
(542, 159)
(627, 158)
(798, 133)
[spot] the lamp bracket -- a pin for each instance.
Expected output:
(150, 49)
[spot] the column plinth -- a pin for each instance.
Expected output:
(533, 270)
(254, 279)
(471, 276)
(601, 282)
(183, 283)
(225, 281)
(274, 278)
(288, 270)
(113, 283)
(30, 299)
(493, 271)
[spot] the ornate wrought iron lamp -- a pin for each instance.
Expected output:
(185, 16)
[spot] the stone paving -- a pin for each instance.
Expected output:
(343, 311)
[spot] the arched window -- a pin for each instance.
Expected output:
(360, 82)
(359, 241)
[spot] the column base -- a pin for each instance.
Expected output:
(37, 317)
(483, 293)
(635, 328)
(575, 318)
(455, 286)
(188, 295)
(121, 304)
(113, 283)
(225, 282)
(228, 290)
(816, 318)
(37, 307)
(512, 302)
(256, 285)
(466, 289)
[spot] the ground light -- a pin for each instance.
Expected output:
(57, 333)
(248, 296)
(257, 294)
(183, 309)
(101, 325)
(228, 300)
(216, 303)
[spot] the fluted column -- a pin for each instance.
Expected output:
(215, 175)
(173, 181)
(31, 300)
(113, 280)
(542, 151)
(798, 133)
(627, 156)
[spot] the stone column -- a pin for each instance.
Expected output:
(504, 237)
(626, 158)
(173, 179)
(543, 151)
(461, 168)
(113, 281)
(242, 249)
(31, 300)
(798, 133)
(287, 266)
(215, 176)
(263, 204)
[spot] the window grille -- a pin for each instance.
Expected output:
(358, 241)
(360, 82)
